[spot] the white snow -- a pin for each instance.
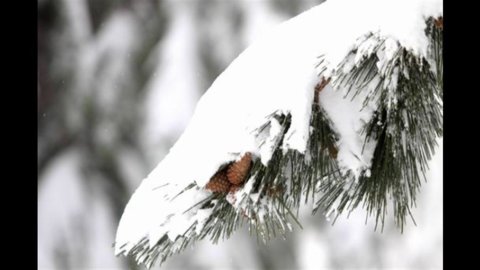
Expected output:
(348, 118)
(268, 142)
(276, 73)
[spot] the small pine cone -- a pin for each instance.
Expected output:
(237, 171)
(219, 182)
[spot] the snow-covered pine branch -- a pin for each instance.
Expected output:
(341, 104)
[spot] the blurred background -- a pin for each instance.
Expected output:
(117, 84)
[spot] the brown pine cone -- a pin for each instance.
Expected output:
(219, 182)
(237, 171)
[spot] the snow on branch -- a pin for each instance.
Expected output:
(340, 105)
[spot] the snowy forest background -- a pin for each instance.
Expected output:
(117, 84)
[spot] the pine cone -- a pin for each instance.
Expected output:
(237, 171)
(219, 182)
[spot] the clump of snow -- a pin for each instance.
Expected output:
(268, 140)
(275, 74)
(348, 117)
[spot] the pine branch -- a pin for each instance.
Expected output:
(406, 125)
(407, 92)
